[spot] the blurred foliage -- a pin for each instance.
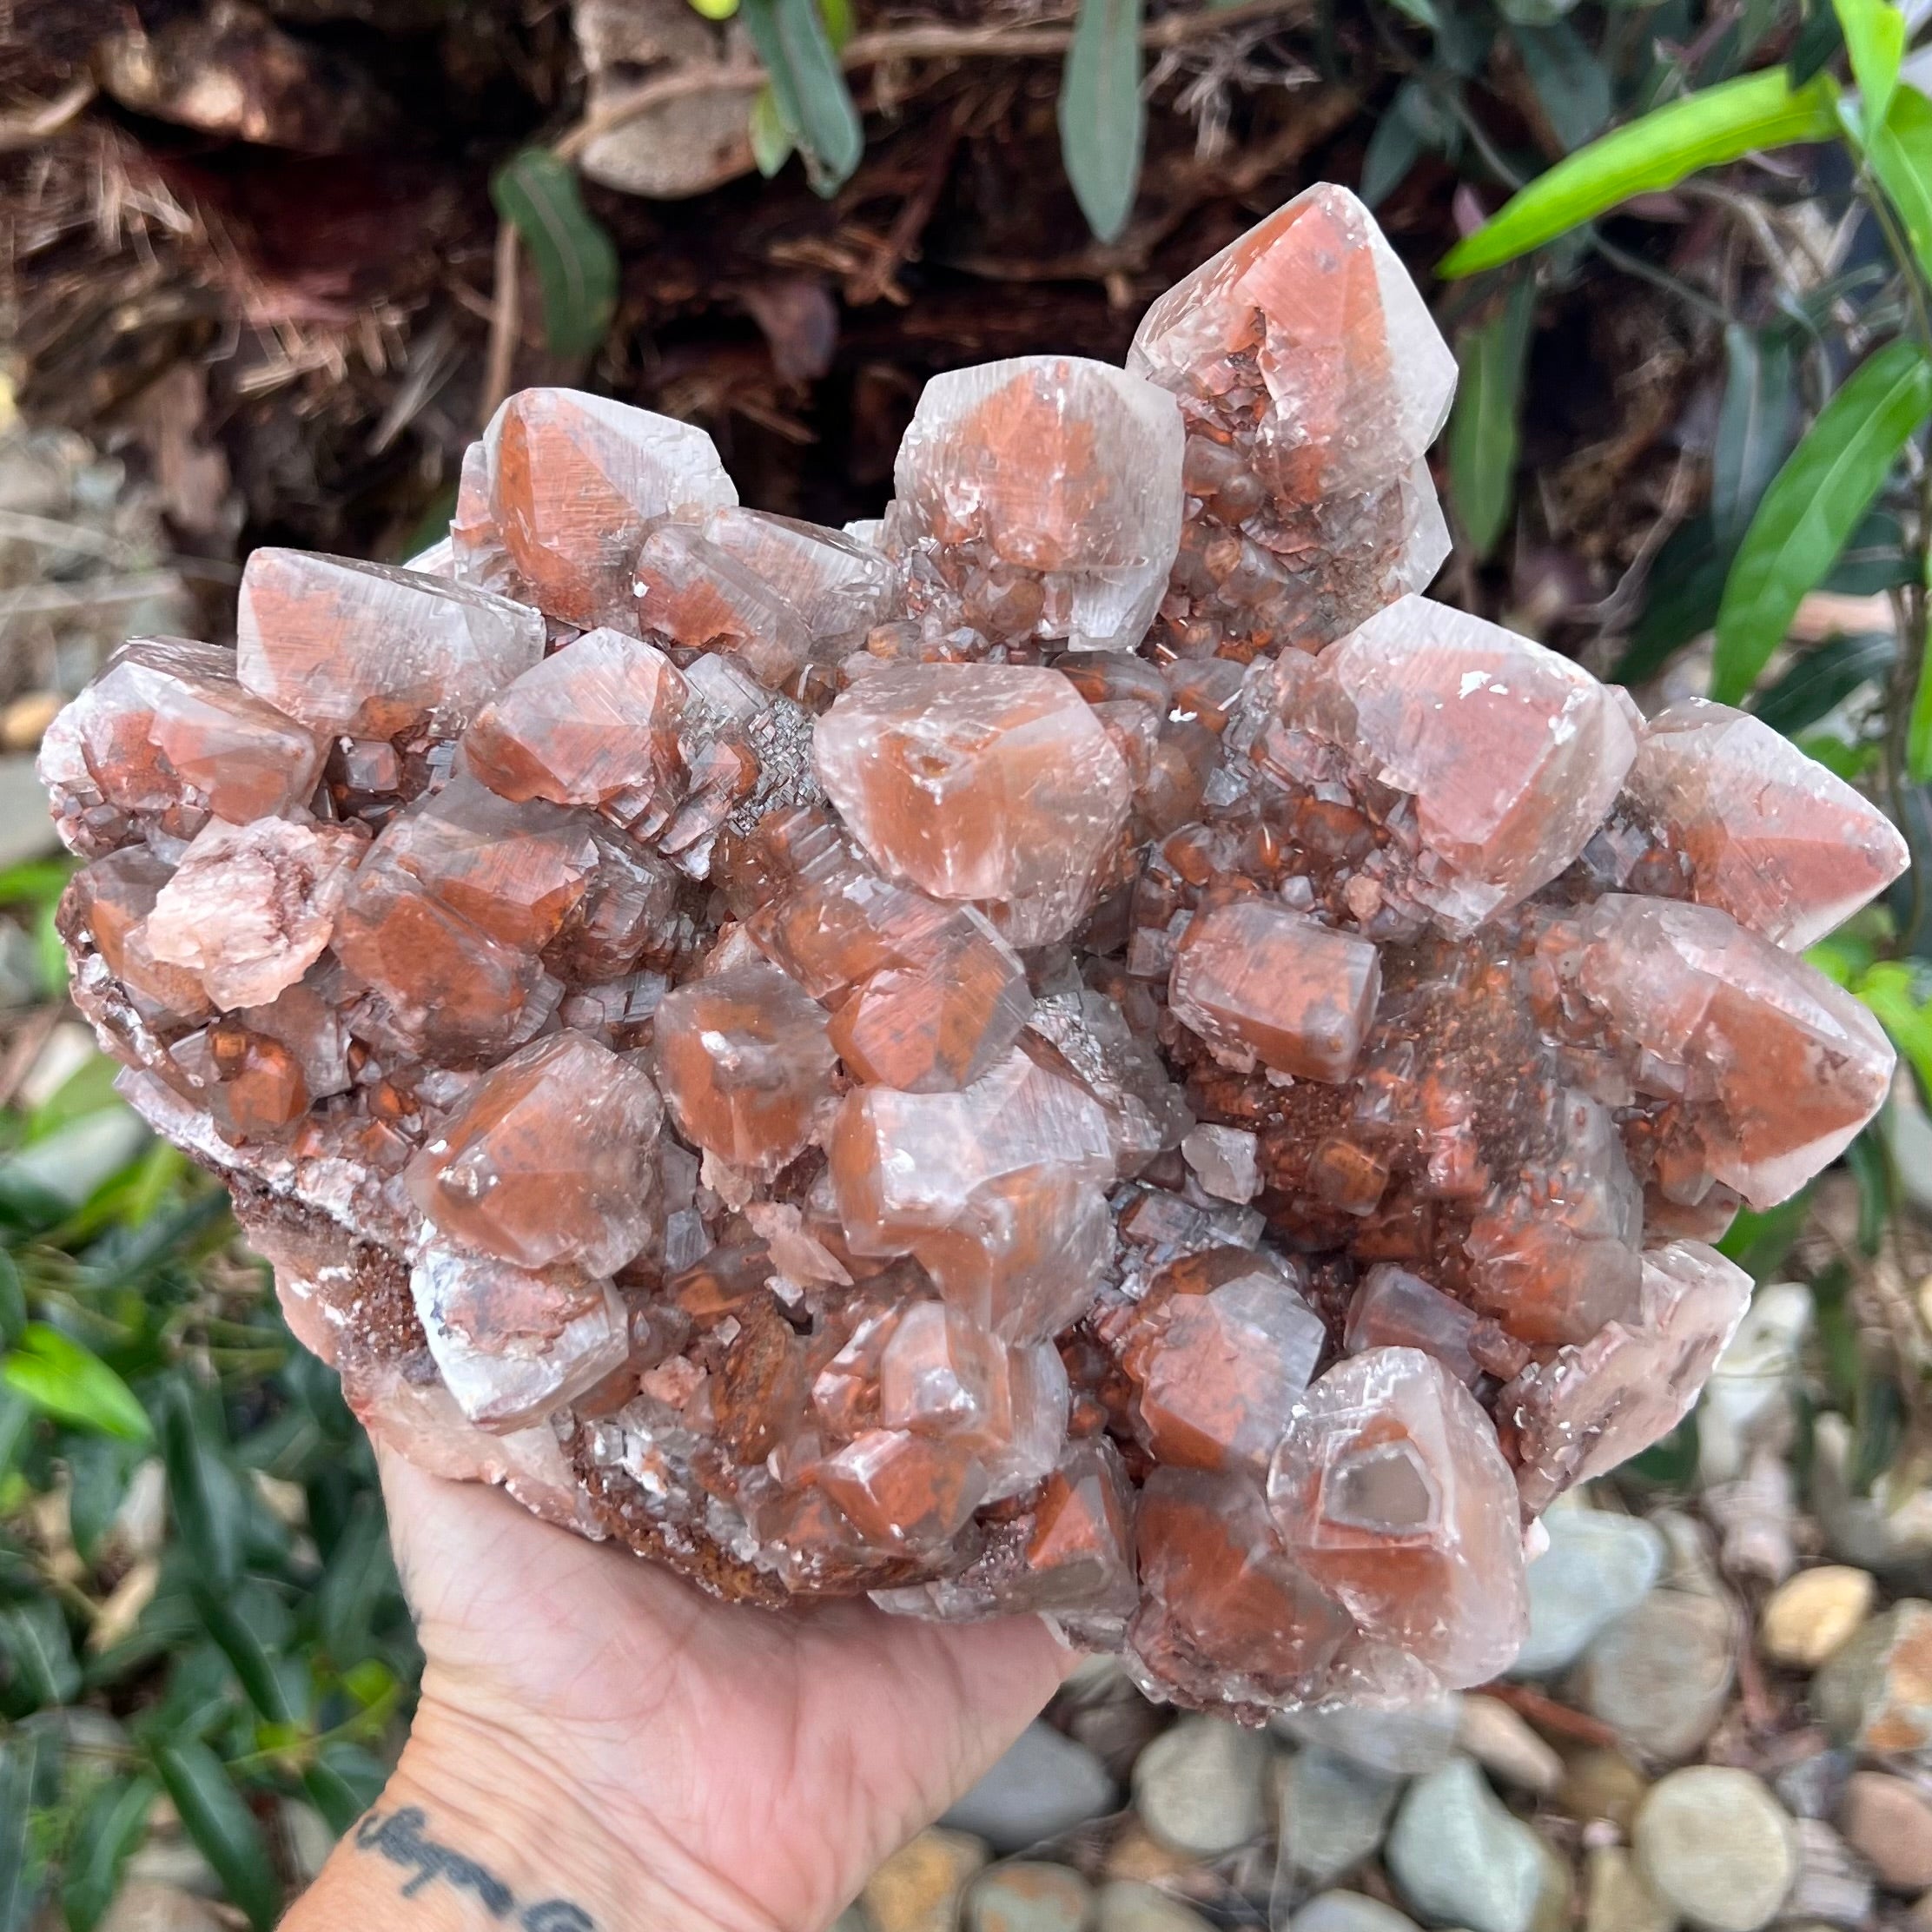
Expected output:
(198, 1614)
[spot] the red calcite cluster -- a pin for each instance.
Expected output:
(1078, 1050)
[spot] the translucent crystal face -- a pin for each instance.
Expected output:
(1076, 1050)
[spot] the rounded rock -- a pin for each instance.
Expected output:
(1717, 1848)
(1460, 1858)
(1026, 1897)
(1890, 1821)
(918, 1888)
(1810, 1615)
(1199, 1786)
(1045, 1783)
(1599, 1567)
(1661, 1675)
(1349, 1912)
(1130, 1905)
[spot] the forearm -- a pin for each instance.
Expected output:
(462, 1839)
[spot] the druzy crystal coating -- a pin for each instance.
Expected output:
(1081, 1049)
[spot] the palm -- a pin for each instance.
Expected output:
(772, 1760)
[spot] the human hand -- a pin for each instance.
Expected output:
(601, 1745)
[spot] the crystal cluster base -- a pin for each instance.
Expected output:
(1080, 1049)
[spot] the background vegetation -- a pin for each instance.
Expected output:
(1689, 449)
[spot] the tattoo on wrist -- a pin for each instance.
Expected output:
(398, 1836)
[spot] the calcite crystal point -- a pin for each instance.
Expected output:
(1078, 1050)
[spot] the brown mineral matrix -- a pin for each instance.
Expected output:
(1081, 1049)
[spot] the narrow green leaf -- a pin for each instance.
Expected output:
(1871, 1169)
(576, 261)
(13, 1302)
(1812, 506)
(344, 1784)
(809, 87)
(1900, 156)
(1876, 558)
(1918, 732)
(1759, 1240)
(1821, 680)
(1889, 990)
(1570, 83)
(1103, 118)
(1817, 45)
(202, 1489)
(1485, 428)
(217, 1817)
(72, 1385)
(1680, 600)
(111, 1829)
(1755, 422)
(37, 1668)
(1874, 38)
(252, 1663)
(772, 141)
(21, 1870)
(1422, 12)
(1702, 130)
(1393, 148)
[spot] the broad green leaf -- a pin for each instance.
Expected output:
(268, 1687)
(1570, 83)
(1812, 506)
(1890, 989)
(1759, 1240)
(1874, 38)
(21, 1868)
(111, 1828)
(217, 1817)
(56, 1176)
(1705, 129)
(576, 261)
(73, 1384)
(1755, 422)
(205, 1494)
(37, 1668)
(344, 1784)
(809, 87)
(1103, 118)
(1485, 428)
(1900, 156)
(1821, 680)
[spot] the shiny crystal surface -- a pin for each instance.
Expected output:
(1074, 1049)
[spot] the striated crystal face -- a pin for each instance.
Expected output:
(1076, 1050)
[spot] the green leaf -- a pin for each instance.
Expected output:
(1393, 148)
(37, 1668)
(1755, 422)
(1874, 560)
(1570, 83)
(21, 1869)
(205, 1494)
(13, 1302)
(771, 143)
(1103, 118)
(576, 261)
(1759, 1240)
(215, 1816)
(1812, 506)
(1889, 990)
(344, 1784)
(1702, 131)
(1422, 12)
(714, 9)
(1874, 38)
(1900, 156)
(1821, 680)
(1817, 45)
(111, 1828)
(1485, 427)
(808, 86)
(73, 1384)
(1871, 1169)
(1686, 584)
(97, 1470)
(259, 1670)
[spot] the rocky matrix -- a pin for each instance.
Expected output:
(1079, 1049)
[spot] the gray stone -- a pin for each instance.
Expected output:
(1408, 1742)
(26, 829)
(1506, 1748)
(1349, 1912)
(1460, 1858)
(1024, 1897)
(1662, 1674)
(1334, 1813)
(1815, 1786)
(1617, 1897)
(1833, 1885)
(1876, 1692)
(1126, 1905)
(149, 1905)
(1887, 1530)
(1599, 1566)
(1716, 1848)
(1043, 1785)
(1198, 1787)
